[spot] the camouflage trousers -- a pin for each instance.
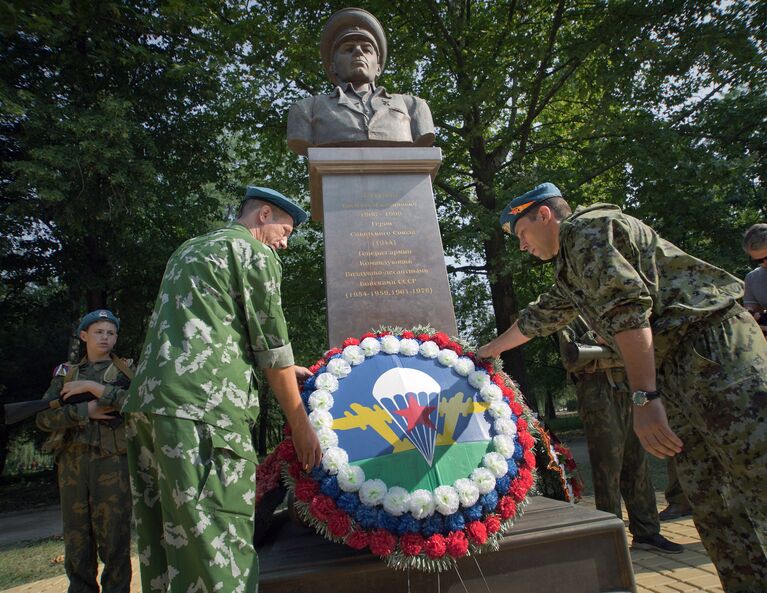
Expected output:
(96, 510)
(714, 387)
(674, 493)
(618, 461)
(194, 491)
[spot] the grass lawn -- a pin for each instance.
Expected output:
(30, 491)
(31, 561)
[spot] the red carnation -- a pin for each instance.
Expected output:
(339, 523)
(314, 368)
(507, 393)
(367, 335)
(457, 544)
(441, 339)
(436, 546)
(529, 459)
(522, 425)
(408, 335)
(286, 451)
(497, 378)
(294, 470)
(492, 524)
(518, 490)
(358, 540)
(383, 333)
(332, 352)
(486, 366)
(516, 408)
(526, 440)
(322, 507)
(424, 337)
(350, 342)
(411, 544)
(477, 532)
(382, 543)
(507, 507)
(527, 477)
(306, 489)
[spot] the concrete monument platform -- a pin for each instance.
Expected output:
(554, 547)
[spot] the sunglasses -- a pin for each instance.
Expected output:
(757, 261)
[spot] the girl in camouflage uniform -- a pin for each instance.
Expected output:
(88, 441)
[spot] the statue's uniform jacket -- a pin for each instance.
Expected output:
(711, 364)
(343, 119)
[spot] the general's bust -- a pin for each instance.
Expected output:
(357, 112)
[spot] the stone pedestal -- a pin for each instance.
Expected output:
(554, 547)
(384, 263)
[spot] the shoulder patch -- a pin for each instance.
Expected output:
(61, 370)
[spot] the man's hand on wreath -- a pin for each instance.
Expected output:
(307, 446)
(302, 374)
(651, 426)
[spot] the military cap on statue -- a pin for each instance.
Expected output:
(515, 209)
(350, 22)
(97, 315)
(266, 194)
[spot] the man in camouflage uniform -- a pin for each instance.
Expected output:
(669, 311)
(618, 462)
(88, 442)
(193, 467)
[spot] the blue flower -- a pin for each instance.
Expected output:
(513, 469)
(432, 525)
(455, 522)
(408, 524)
(366, 516)
(518, 451)
(473, 513)
(387, 521)
(329, 486)
(339, 355)
(502, 484)
(309, 383)
(489, 501)
(317, 473)
(514, 418)
(348, 502)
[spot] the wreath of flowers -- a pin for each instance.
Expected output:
(426, 530)
(558, 475)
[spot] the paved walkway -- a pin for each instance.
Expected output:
(655, 573)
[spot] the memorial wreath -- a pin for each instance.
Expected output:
(427, 452)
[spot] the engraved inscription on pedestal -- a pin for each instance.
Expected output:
(384, 262)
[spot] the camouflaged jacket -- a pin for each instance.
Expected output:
(617, 273)
(70, 424)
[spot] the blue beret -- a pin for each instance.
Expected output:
(515, 209)
(274, 197)
(97, 315)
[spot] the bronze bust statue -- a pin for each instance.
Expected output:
(357, 112)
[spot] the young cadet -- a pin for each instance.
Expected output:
(89, 445)
(689, 350)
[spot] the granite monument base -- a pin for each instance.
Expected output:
(554, 547)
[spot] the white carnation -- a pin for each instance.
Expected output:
(478, 379)
(446, 500)
(327, 438)
(320, 400)
(504, 445)
(484, 479)
(505, 426)
(421, 504)
(370, 346)
(463, 366)
(429, 350)
(468, 493)
(333, 458)
(408, 347)
(491, 393)
(500, 409)
(396, 501)
(350, 477)
(321, 419)
(496, 463)
(327, 382)
(447, 357)
(390, 344)
(372, 492)
(354, 355)
(339, 368)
